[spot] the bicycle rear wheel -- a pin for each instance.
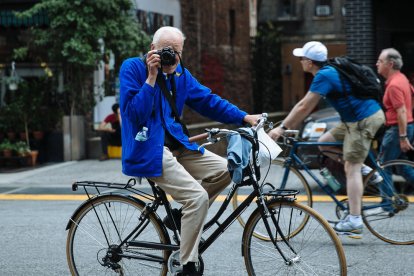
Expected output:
(388, 206)
(316, 249)
(295, 181)
(100, 226)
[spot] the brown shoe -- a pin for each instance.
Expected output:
(104, 157)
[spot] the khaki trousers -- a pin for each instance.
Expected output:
(180, 172)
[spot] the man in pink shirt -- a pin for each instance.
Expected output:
(399, 135)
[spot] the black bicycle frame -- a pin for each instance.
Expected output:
(160, 198)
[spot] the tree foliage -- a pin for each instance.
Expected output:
(267, 79)
(72, 41)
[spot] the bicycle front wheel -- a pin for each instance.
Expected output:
(294, 181)
(316, 250)
(97, 230)
(388, 206)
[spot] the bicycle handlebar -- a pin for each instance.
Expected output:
(291, 132)
(289, 136)
(211, 134)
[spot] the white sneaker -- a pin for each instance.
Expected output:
(346, 227)
(375, 178)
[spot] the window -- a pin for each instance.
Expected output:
(323, 8)
(151, 21)
(286, 8)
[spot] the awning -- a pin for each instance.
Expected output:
(9, 19)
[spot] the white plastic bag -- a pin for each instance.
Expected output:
(268, 149)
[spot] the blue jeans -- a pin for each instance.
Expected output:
(390, 150)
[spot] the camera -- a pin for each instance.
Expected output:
(167, 56)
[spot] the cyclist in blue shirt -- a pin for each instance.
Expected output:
(361, 118)
(155, 142)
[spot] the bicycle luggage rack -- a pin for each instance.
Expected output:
(282, 194)
(100, 187)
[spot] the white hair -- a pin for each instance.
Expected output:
(394, 56)
(166, 29)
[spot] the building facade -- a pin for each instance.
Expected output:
(356, 28)
(217, 48)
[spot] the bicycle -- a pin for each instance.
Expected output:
(386, 206)
(120, 232)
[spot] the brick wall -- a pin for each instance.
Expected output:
(360, 33)
(217, 49)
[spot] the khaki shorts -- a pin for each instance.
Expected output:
(357, 137)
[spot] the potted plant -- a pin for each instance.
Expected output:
(7, 148)
(13, 80)
(22, 148)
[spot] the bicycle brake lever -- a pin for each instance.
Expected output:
(211, 141)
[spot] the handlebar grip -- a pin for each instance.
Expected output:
(198, 137)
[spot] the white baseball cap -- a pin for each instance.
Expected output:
(313, 50)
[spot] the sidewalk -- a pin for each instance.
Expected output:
(64, 174)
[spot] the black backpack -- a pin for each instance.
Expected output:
(365, 84)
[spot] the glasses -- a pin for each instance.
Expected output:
(303, 58)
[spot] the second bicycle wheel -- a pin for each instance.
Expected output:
(388, 206)
(100, 226)
(274, 176)
(316, 250)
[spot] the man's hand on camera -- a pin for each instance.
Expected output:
(153, 63)
(252, 119)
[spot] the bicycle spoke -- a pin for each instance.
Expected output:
(388, 206)
(112, 219)
(314, 250)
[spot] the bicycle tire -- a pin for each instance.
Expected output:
(318, 249)
(296, 181)
(87, 246)
(390, 223)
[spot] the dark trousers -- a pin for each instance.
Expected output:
(113, 139)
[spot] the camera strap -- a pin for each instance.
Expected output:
(171, 98)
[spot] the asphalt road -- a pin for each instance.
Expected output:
(36, 205)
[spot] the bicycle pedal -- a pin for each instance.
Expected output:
(350, 235)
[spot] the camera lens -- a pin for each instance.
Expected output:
(167, 56)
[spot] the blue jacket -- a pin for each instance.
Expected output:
(142, 105)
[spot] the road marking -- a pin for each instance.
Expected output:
(45, 197)
(220, 198)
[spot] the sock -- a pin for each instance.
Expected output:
(355, 219)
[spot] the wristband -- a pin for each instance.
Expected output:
(282, 126)
(403, 137)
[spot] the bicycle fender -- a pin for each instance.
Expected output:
(94, 198)
(244, 229)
